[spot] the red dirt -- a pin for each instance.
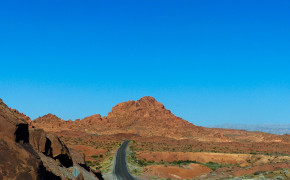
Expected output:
(89, 151)
(174, 172)
(265, 167)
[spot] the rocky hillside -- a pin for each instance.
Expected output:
(29, 153)
(52, 123)
(148, 117)
(145, 117)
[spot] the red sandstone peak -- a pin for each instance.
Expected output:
(91, 119)
(150, 101)
(146, 103)
(149, 117)
(47, 118)
(49, 115)
(147, 99)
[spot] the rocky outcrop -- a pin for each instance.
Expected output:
(28, 153)
(59, 150)
(12, 126)
(21, 116)
(38, 139)
(52, 123)
(146, 117)
(150, 118)
(77, 157)
(18, 159)
(50, 145)
(49, 119)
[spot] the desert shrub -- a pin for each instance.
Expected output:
(142, 162)
(257, 172)
(214, 165)
(95, 156)
(180, 162)
(89, 163)
(151, 162)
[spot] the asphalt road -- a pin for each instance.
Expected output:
(121, 170)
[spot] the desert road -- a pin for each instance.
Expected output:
(121, 170)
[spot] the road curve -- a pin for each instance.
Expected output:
(121, 170)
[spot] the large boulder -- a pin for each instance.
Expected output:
(77, 157)
(38, 139)
(59, 150)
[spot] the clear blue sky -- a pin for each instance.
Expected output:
(209, 62)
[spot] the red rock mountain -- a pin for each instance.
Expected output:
(148, 117)
(145, 117)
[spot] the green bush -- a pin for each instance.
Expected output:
(214, 165)
(95, 156)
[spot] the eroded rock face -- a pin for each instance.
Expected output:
(39, 141)
(28, 153)
(77, 157)
(49, 118)
(9, 123)
(52, 123)
(18, 159)
(22, 116)
(59, 150)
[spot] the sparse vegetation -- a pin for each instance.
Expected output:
(106, 144)
(214, 165)
(143, 162)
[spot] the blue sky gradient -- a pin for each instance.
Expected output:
(209, 62)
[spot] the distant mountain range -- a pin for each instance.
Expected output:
(268, 128)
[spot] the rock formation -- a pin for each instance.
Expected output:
(149, 117)
(145, 117)
(22, 116)
(28, 153)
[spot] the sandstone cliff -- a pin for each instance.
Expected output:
(29, 153)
